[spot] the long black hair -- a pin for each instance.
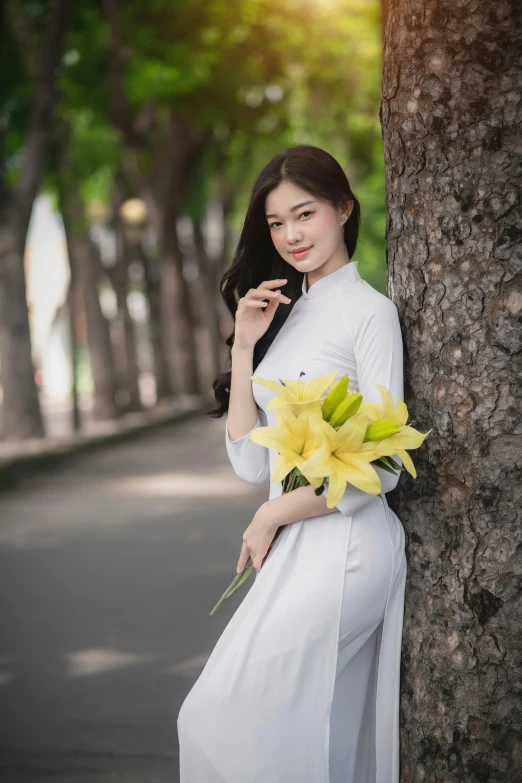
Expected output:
(256, 259)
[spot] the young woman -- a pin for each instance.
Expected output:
(303, 684)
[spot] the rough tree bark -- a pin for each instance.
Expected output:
(22, 415)
(451, 114)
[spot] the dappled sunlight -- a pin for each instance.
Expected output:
(48, 517)
(179, 485)
(100, 660)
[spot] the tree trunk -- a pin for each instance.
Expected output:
(177, 315)
(22, 417)
(21, 407)
(123, 333)
(208, 291)
(153, 293)
(84, 264)
(178, 155)
(451, 118)
(72, 298)
(165, 194)
(124, 345)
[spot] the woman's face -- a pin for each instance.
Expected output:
(296, 219)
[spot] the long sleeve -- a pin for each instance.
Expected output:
(377, 344)
(249, 460)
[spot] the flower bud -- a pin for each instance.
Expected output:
(334, 397)
(346, 409)
(380, 430)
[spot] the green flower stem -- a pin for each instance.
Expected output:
(290, 482)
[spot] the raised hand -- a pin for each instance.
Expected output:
(254, 315)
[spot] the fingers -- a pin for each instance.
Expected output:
(257, 295)
(263, 293)
(273, 283)
(277, 295)
(255, 303)
(243, 557)
(273, 305)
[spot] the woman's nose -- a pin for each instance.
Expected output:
(293, 234)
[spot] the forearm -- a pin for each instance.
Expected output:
(242, 410)
(300, 503)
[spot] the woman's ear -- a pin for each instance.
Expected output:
(346, 211)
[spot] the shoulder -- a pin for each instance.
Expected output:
(363, 307)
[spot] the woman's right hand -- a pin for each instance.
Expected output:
(254, 316)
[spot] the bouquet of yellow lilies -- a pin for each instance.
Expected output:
(332, 435)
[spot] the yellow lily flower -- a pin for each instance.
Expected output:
(296, 394)
(292, 438)
(343, 458)
(385, 409)
(407, 438)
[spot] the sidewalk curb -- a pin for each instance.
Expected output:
(14, 469)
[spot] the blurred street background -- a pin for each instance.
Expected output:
(109, 569)
(132, 134)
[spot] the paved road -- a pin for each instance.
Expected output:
(108, 571)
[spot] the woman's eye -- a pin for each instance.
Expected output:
(273, 225)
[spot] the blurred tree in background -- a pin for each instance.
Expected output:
(151, 123)
(31, 48)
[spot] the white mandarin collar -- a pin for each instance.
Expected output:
(348, 273)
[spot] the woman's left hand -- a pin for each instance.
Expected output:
(258, 536)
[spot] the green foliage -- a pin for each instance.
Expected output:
(262, 74)
(20, 29)
(331, 84)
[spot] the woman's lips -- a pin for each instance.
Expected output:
(302, 253)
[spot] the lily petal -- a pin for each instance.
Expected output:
(276, 402)
(271, 437)
(274, 386)
(407, 462)
(408, 438)
(401, 412)
(369, 451)
(318, 465)
(282, 467)
(336, 489)
(351, 434)
(363, 476)
(373, 410)
(324, 432)
(318, 386)
(387, 401)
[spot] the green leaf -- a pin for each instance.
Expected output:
(380, 463)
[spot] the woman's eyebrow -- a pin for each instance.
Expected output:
(297, 206)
